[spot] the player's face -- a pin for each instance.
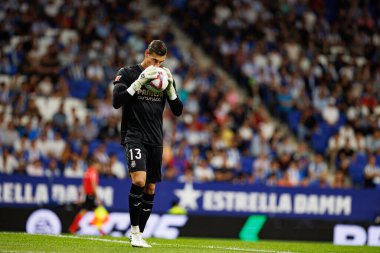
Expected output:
(154, 59)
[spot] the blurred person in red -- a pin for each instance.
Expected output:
(90, 186)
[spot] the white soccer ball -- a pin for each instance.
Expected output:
(160, 83)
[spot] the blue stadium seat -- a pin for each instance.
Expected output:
(79, 89)
(319, 142)
(93, 145)
(356, 169)
(293, 119)
(113, 147)
(361, 158)
(246, 164)
(378, 160)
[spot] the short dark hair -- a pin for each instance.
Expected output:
(158, 47)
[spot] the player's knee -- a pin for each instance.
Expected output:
(139, 182)
(150, 189)
(139, 178)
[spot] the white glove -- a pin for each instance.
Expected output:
(170, 90)
(148, 74)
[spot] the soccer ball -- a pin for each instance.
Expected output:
(160, 83)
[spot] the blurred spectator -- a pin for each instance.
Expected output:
(100, 154)
(9, 135)
(219, 165)
(52, 169)
(89, 129)
(5, 94)
(261, 167)
(95, 72)
(117, 167)
(35, 169)
(8, 163)
(75, 168)
(295, 175)
(340, 180)
(57, 145)
(317, 169)
(107, 172)
(187, 176)
(34, 153)
(22, 143)
(374, 142)
(110, 131)
(21, 169)
(330, 112)
(170, 173)
(59, 120)
(203, 172)
(372, 173)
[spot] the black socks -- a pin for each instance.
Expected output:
(135, 198)
(146, 209)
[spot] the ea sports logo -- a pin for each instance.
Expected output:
(43, 221)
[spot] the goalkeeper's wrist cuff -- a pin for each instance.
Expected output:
(131, 90)
(172, 96)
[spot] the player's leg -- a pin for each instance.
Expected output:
(147, 204)
(88, 205)
(75, 224)
(135, 198)
(154, 163)
(136, 156)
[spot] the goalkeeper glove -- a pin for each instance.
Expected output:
(170, 90)
(148, 74)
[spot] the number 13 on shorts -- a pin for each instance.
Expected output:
(134, 154)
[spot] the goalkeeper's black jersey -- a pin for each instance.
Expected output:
(142, 112)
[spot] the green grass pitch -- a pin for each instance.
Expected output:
(21, 242)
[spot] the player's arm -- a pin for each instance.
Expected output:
(175, 103)
(123, 92)
(120, 94)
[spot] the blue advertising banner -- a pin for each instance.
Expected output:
(202, 199)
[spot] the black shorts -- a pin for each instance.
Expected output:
(147, 158)
(90, 203)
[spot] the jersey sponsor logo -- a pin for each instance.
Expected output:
(147, 95)
(117, 78)
(152, 99)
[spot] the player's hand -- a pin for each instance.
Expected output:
(148, 74)
(170, 76)
(170, 90)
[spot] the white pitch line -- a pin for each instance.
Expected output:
(166, 244)
(18, 251)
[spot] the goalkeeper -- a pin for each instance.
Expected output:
(141, 131)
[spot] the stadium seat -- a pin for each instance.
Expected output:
(93, 145)
(293, 119)
(113, 147)
(79, 89)
(319, 141)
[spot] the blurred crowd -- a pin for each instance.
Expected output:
(58, 59)
(314, 64)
